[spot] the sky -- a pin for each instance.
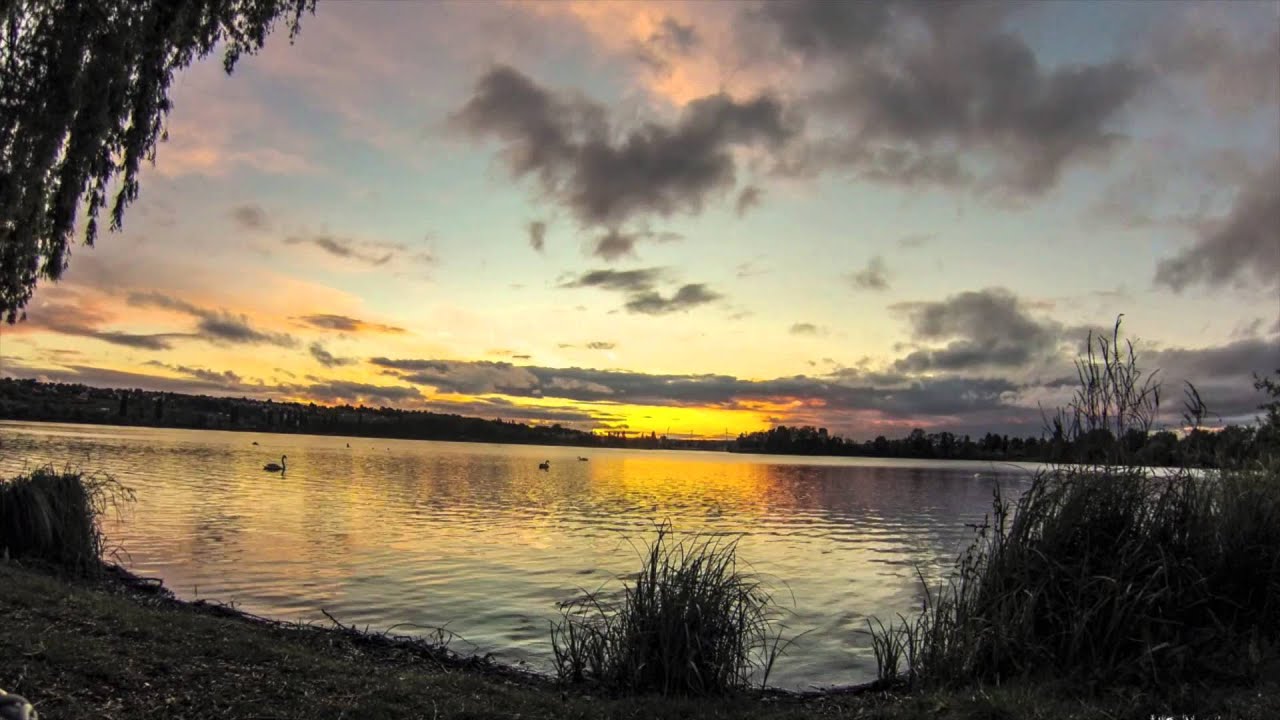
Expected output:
(699, 218)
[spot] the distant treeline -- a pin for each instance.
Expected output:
(1199, 448)
(75, 403)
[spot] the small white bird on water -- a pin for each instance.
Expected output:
(16, 707)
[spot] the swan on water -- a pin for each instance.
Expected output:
(581, 459)
(544, 465)
(15, 707)
(272, 467)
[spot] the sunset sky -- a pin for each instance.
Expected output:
(700, 217)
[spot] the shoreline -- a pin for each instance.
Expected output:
(124, 646)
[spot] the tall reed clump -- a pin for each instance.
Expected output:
(690, 623)
(53, 517)
(1105, 572)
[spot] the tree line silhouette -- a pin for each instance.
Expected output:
(33, 400)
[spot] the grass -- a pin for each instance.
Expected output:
(691, 623)
(52, 517)
(81, 649)
(1106, 573)
(1109, 577)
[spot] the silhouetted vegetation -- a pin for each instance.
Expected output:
(75, 403)
(1107, 572)
(1068, 438)
(691, 623)
(84, 98)
(53, 518)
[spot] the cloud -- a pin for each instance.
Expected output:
(1244, 243)
(600, 345)
(74, 316)
(327, 359)
(888, 395)
(919, 89)
(640, 288)
(654, 303)
(671, 40)
(343, 323)
(981, 329)
(346, 248)
(606, 178)
(804, 328)
(750, 197)
(225, 379)
(916, 241)
(620, 280)
(250, 217)
(333, 392)
(1223, 374)
(466, 378)
(1235, 68)
(218, 326)
(537, 235)
(873, 277)
(614, 244)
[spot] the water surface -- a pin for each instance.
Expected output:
(476, 538)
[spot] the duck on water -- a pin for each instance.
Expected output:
(273, 467)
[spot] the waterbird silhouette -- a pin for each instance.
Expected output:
(272, 467)
(581, 459)
(544, 465)
(255, 442)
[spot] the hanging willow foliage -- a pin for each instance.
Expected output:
(83, 98)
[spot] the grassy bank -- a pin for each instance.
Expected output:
(91, 649)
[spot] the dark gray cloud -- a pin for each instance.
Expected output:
(250, 217)
(897, 396)
(750, 197)
(654, 303)
(368, 252)
(875, 276)
(981, 329)
(537, 235)
(218, 326)
(615, 244)
(334, 392)
(326, 358)
(227, 378)
(804, 328)
(672, 39)
(1223, 375)
(619, 280)
(606, 178)
(921, 87)
(1236, 70)
(600, 345)
(342, 323)
(642, 294)
(469, 378)
(345, 248)
(1243, 246)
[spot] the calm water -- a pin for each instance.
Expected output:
(474, 537)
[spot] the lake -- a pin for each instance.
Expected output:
(476, 538)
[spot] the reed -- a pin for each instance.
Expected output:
(691, 622)
(1105, 572)
(53, 518)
